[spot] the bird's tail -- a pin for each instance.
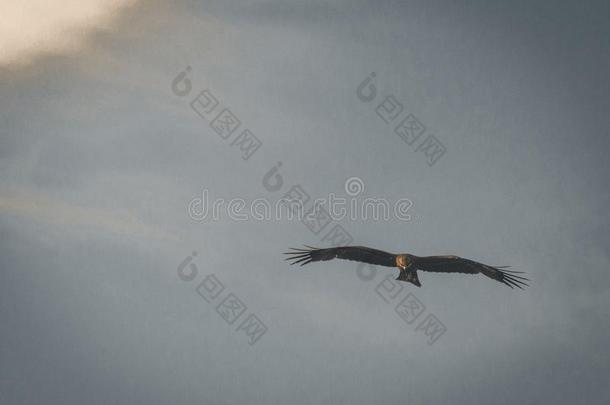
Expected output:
(409, 276)
(508, 277)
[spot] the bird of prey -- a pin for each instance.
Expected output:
(408, 264)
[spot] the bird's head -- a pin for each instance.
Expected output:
(402, 261)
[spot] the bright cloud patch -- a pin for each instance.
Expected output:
(28, 28)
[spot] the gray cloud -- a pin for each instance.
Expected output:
(517, 94)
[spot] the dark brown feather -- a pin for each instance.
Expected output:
(356, 253)
(455, 264)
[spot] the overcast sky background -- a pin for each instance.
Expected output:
(99, 160)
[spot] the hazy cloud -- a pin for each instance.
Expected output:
(94, 138)
(39, 207)
(34, 27)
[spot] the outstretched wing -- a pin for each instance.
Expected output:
(454, 264)
(356, 253)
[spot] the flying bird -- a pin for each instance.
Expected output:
(408, 264)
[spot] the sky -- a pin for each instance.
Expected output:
(113, 291)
